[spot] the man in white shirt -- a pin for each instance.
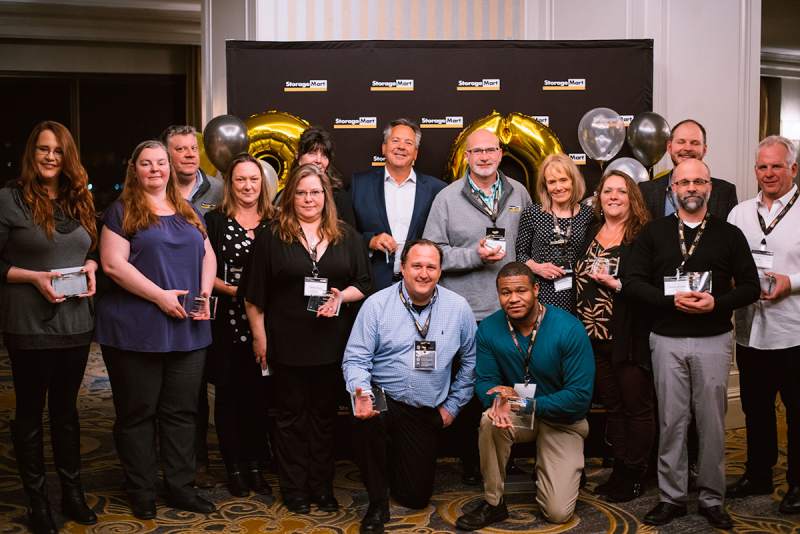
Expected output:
(768, 331)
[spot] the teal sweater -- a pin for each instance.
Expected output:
(562, 364)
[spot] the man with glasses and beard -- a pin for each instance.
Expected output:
(691, 335)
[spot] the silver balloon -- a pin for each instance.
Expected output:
(601, 133)
(647, 137)
(629, 166)
(225, 137)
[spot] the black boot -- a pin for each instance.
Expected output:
(67, 456)
(628, 487)
(29, 450)
(255, 479)
(613, 481)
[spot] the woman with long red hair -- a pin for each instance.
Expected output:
(152, 329)
(47, 225)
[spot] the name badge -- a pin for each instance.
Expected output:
(425, 355)
(496, 238)
(315, 287)
(564, 283)
(558, 241)
(764, 259)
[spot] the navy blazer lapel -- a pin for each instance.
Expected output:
(380, 200)
(421, 196)
(662, 194)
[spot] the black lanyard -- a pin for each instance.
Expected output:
(682, 239)
(312, 253)
(421, 329)
(768, 229)
(527, 355)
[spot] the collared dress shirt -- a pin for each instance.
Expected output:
(381, 349)
(771, 325)
(399, 208)
(495, 191)
(198, 181)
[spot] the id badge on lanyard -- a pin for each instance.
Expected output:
(424, 355)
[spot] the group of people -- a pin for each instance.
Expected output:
(429, 306)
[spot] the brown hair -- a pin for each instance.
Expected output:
(638, 215)
(575, 176)
(74, 197)
(263, 205)
(138, 215)
(288, 227)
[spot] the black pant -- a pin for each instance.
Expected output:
(54, 375)
(762, 375)
(239, 413)
(306, 403)
(155, 393)
(400, 445)
(201, 426)
(626, 391)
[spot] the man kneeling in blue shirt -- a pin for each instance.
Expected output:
(522, 346)
(404, 341)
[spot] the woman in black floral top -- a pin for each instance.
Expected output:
(618, 333)
(239, 411)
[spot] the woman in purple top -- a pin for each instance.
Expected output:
(154, 246)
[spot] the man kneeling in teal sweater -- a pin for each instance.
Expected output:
(524, 345)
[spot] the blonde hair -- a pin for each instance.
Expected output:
(568, 166)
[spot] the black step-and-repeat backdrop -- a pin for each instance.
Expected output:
(353, 88)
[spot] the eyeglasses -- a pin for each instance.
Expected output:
(698, 182)
(316, 193)
(491, 150)
(44, 151)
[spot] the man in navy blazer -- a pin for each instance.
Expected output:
(392, 204)
(687, 140)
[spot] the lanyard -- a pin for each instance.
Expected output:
(312, 253)
(682, 239)
(490, 211)
(421, 329)
(527, 356)
(768, 229)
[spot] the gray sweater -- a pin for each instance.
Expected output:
(27, 319)
(457, 224)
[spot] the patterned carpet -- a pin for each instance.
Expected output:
(261, 514)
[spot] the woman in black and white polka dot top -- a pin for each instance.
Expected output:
(239, 409)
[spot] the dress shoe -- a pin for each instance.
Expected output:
(664, 513)
(297, 505)
(791, 501)
(746, 486)
(326, 502)
(482, 516)
(237, 485)
(252, 475)
(40, 520)
(377, 515)
(203, 478)
(193, 504)
(471, 475)
(628, 484)
(144, 510)
(717, 516)
(74, 507)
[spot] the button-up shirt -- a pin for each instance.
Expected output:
(495, 191)
(198, 181)
(399, 208)
(380, 350)
(771, 325)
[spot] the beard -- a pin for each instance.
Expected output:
(691, 203)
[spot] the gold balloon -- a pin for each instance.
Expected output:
(274, 138)
(205, 163)
(522, 138)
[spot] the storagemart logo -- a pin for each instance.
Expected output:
(626, 119)
(397, 85)
(309, 86)
(447, 122)
(573, 84)
(486, 84)
(544, 119)
(378, 161)
(579, 158)
(361, 122)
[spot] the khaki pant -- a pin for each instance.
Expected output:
(559, 462)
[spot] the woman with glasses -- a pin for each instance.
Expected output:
(47, 225)
(304, 271)
(619, 334)
(552, 231)
(239, 411)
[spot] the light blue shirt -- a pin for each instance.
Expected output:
(197, 183)
(381, 350)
